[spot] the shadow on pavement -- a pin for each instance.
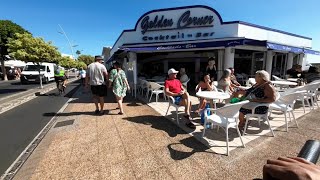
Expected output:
(6, 91)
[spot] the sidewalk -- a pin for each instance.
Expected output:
(142, 144)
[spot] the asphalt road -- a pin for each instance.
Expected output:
(20, 125)
(14, 86)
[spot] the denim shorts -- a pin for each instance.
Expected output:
(177, 100)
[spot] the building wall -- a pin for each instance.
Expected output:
(272, 36)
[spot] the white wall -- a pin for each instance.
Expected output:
(276, 37)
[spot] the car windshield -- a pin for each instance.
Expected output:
(34, 68)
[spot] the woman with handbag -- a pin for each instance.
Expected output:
(120, 85)
(261, 92)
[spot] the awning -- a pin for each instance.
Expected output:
(309, 51)
(184, 46)
(280, 47)
(213, 44)
(297, 50)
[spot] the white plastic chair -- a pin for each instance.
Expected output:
(144, 86)
(301, 90)
(285, 104)
(259, 116)
(172, 103)
(225, 117)
(251, 81)
(185, 84)
(156, 89)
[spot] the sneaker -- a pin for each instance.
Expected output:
(190, 125)
(101, 113)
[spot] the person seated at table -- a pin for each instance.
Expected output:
(174, 88)
(233, 78)
(261, 92)
(183, 76)
(205, 84)
(312, 74)
(295, 71)
(225, 82)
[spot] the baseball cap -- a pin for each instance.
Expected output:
(98, 57)
(172, 71)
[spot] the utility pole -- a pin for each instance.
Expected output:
(71, 46)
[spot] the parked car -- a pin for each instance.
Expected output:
(30, 72)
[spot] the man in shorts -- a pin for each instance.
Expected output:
(96, 76)
(174, 88)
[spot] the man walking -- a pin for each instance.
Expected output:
(96, 76)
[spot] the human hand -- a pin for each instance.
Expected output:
(181, 92)
(290, 169)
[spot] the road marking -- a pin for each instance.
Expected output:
(22, 158)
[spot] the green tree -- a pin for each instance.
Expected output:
(7, 30)
(81, 65)
(30, 49)
(87, 59)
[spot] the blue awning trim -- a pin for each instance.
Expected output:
(183, 46)
(280, 47)
(309, 51)
(222, 43)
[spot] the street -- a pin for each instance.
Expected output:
(11, 87)
(20, 125)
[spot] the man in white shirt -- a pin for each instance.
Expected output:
(96, 76)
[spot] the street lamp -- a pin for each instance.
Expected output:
(65, 35)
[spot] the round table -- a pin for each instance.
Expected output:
(284, 83)
(293, 79)
(213, 95)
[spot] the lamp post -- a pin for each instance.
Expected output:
(65, 35)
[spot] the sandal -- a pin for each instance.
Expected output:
(96, 111)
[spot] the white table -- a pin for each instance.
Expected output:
(293, 79)
(284, 83)
(213, 95)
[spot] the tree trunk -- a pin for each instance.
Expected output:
(5, 78)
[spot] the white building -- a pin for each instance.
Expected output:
(187, 36)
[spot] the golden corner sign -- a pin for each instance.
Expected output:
(178, 24)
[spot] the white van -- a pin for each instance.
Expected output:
(30, 72)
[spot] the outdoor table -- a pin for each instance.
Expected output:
(284, 83)
(213, 95)
(293, 79)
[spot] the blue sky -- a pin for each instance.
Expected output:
(94, 24)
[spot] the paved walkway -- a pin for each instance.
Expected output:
(142, 144)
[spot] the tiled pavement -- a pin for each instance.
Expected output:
(142, 144)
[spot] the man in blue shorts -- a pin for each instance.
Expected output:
(174, 88)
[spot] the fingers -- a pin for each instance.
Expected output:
(301, 160)
(271, 171)
(278, 162)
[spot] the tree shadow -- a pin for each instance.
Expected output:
(7, 91)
